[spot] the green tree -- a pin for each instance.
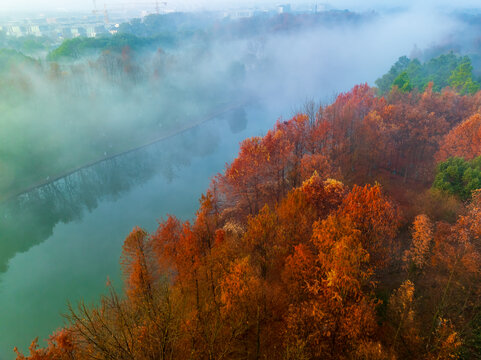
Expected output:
(402, 82)
(384, 83)
(459, 177)
(461, 78)
(445, 70)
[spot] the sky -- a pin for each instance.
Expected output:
(87, 5)
(45, 5)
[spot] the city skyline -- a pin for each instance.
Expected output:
(192, 5)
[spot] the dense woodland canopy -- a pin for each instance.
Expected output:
(445, 70)
(350, 232)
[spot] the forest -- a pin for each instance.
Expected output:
(349, 231)
(444, 70)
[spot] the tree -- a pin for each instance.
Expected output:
(260, 241)
(442, 71)
(458, 177)
(384, 83)
(404, 336)
(402, 82)
(422, 237)
(375, 217)
(335, 315)
(241, 297)
(138, 266)
(461, 78)
(462, 141)
(60, 346)
(258, 175)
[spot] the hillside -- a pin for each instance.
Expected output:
(323, 239)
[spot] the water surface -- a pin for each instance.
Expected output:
(61, 242)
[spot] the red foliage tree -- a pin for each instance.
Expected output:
(463, 141)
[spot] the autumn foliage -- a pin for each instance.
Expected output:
(317, 242)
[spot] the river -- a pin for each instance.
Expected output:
(60, 242)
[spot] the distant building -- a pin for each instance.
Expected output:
(57, 32)
(66, 33)
(282, 9)
(239, 14)
(95, 30)
(242, 14)
(44, 29)
(90, 31)
(34, 30)
(78, 31)
(15, 30)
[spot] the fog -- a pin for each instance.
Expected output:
(319, 63)
(59, 116)
(195, 5)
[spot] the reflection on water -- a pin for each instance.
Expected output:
(60, 241)
(237, 120)
(30, 218)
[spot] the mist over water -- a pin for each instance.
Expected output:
(323, 61)
(61, 240)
